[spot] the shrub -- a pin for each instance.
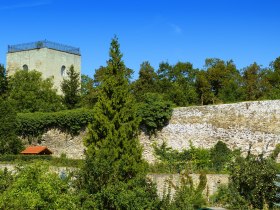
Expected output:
(195, 159)
(9, 142)
(69, 121)
(35, 187)
(220, 155)
(155, 112)
(187, 195)
(253, 179)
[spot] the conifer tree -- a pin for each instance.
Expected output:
(113, 149)
(71, 88)
(114, 174)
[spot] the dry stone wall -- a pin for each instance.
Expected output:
(162, 181)
(61, 143)
(174, 180)
(244, 125)
(240, 125)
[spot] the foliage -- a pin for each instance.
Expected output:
(35, 187)
(136, 193)
(9, 142)
(177, 83)
(70, 87)
(155, 112)
(203, 88)
(220, 155)
(88, 92)
(224, 78)
(215, 159)
(113, 154)
(251, 78)
(146, 83)
(6, 179)
(253, 178)
(194, 159)
(228, 197)
(53, 161)
(30, 93)
(187, 196)
(3, 81)
(69, 121)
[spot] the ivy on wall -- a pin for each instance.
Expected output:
(69, 121)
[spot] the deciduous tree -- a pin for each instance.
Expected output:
(9, 142)
(30, 93)
(3, 81)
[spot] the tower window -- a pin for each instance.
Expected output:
(63, 71)
(25, 67)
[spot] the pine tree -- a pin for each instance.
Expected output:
(114, 174)
(113, 147)
(71, 88)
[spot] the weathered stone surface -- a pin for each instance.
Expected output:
(240, 125)
(61, 143)
(163, 181)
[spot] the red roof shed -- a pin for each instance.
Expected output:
(36, 150)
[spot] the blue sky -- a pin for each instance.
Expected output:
(148, 30)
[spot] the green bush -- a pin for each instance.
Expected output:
(173, 161)
(220, 155)
(36, 187)
(155, 112)
(9, 142)
(69, 121)
(187, 195)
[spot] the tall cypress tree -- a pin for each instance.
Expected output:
(71, 88)
(113, 150)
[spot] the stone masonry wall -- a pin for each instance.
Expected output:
(161, 180)
(239, 125)
(61, 143)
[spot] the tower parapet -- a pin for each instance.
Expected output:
(50, 58)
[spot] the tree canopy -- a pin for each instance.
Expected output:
(113, 154)
(30, 92)
(70, 87)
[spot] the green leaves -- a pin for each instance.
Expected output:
(69, 121)
(30, 93)
(70, 87)
(9, 141)
(253, 178)
(114, 156)
(3, 81)
(35, 187)
(155, 112)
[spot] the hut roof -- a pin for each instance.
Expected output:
(36, 150)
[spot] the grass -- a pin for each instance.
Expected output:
(53, 161)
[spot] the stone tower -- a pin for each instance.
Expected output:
(49, 58)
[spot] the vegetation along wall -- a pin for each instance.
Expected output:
(254, 125)
(246, 125)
